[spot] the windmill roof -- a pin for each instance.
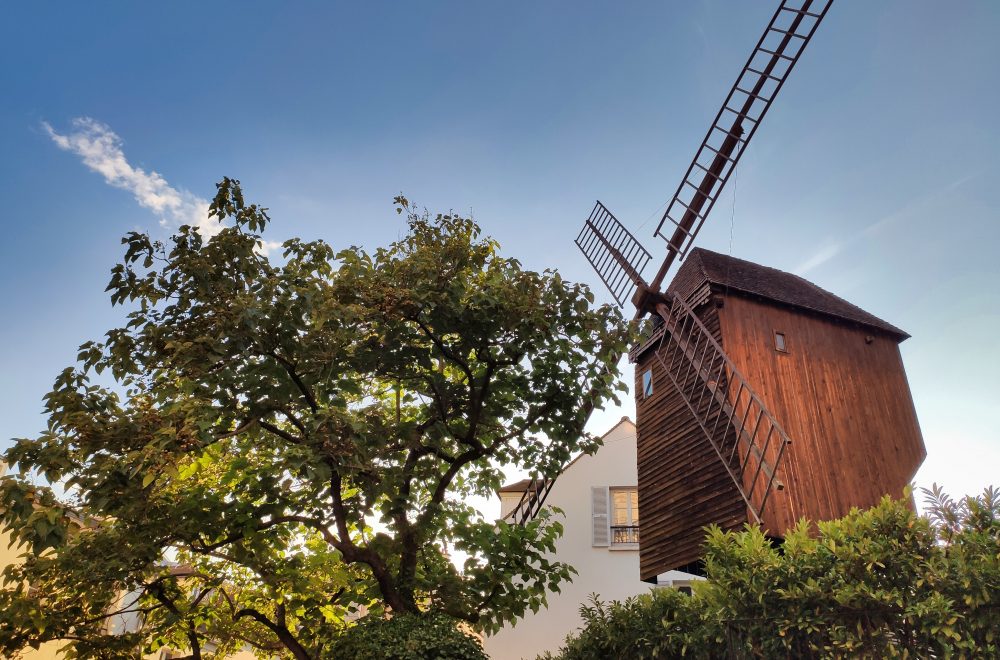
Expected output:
(745, 276)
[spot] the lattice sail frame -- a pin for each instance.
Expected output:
(532, 500)
(762, 77)
(613, 251)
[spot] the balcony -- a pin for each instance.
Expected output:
(624, 534)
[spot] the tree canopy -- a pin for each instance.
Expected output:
(274, 446)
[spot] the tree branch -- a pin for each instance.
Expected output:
(444, 349)
(355, 554)
(192, 634)
(290, 369)
(285, 435)
(239, 429)
(205, 548)
(282, 632)
(294, 420)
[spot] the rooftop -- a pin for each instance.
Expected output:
(520, 486)
(524, 484)
(747, 277)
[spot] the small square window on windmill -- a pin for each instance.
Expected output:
(779, 342)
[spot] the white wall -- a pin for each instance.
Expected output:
(614, 574)
(508, 502)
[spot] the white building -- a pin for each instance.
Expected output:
(599, 499)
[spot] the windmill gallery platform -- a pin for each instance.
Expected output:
(830, 371)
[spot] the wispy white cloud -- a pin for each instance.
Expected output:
(100, 148)
(916, 205)
(820, 257)
(827, 252)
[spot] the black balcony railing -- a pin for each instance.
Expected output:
(624, 534)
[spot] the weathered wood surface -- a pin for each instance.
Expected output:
(839, 391)
(683, 485)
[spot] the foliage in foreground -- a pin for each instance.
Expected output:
(408, 637)
(878, 583)
(287, 442)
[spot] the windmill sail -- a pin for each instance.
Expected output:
(531, 500)
(619, 259)
(613, 251)
(762, 77)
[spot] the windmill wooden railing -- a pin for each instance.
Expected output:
(742, 432)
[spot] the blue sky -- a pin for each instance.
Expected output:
(873, 174)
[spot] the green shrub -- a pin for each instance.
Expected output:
(408, 637)
(662, 624)
(877, 583)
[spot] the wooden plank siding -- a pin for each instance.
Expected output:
(841, 394)
(683, 486)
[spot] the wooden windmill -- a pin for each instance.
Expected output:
(742, 359)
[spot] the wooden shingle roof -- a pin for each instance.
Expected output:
(727, 272)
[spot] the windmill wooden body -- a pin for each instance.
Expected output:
(744, 346)
(760, 397)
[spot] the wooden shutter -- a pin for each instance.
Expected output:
(601, 530)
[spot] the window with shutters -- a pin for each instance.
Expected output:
(615, 513)
(601, 531)
(624, 516)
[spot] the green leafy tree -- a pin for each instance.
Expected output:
(880, 583)
(277, 445)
